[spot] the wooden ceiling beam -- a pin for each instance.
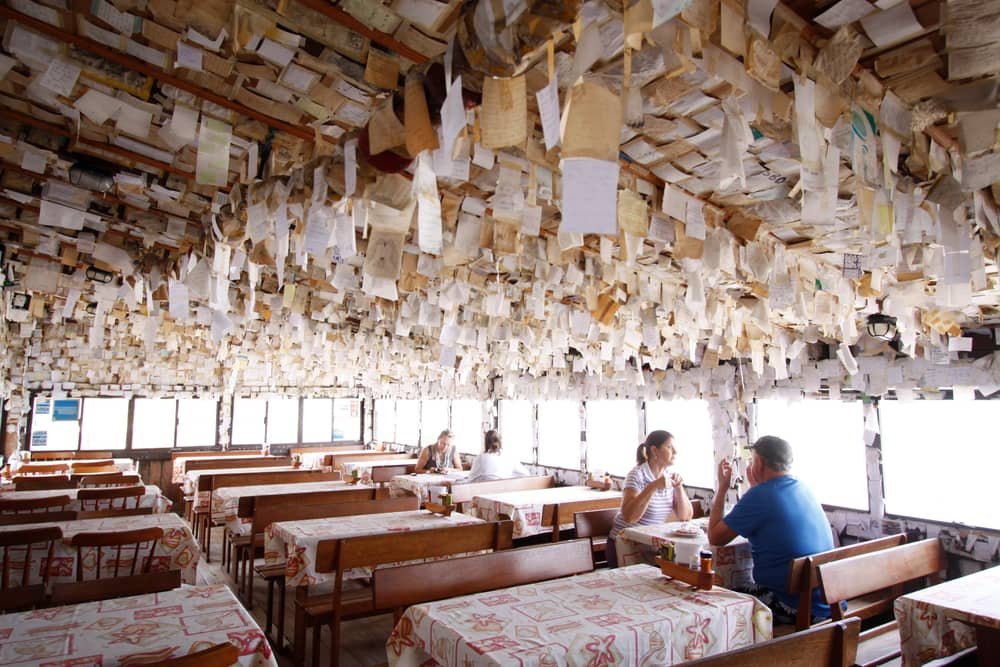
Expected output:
(343, 18)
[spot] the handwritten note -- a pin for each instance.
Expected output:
(504, 112)
(60, 77)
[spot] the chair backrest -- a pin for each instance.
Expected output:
(31, 505)
(276, 477)
(120, 498)
(557, 514)
(220, 655)
(398, 587)
(803, 576)
(248, 505)
(698, 508)
(100, 469)
(71, 456)
(29, 483)
(249, 462)
(830, 645)
(126, 538)
(886, 570)
(18, 592)
(47, 517)
(270, 509)
(110, 479)
(43, 468)
(463, 493)
(77, 592)
(383, 474)
(594, 523)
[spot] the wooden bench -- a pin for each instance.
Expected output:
(339, 556)
(336, 461)
(872, 582)
(830, 645)
(595, 525)
(74, 456)
(803, 576)
(399, 587)
(464, 493)
(555, 515)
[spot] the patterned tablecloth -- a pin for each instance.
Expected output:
(733, 563)
(177, 549)
(315, 459)
(178, 472)
(941, 620)
(525, 507)
(295, 542)
(113, 632)
(628, 616)
(419, 483)
(230, 496)
(153, 498)
(361, 464)
(201, 502)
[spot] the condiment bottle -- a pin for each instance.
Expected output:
(706, 561)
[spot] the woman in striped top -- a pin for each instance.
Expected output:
(652, 491)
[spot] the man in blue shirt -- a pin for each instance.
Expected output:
(780, 518)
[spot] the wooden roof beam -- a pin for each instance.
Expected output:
(326, 8)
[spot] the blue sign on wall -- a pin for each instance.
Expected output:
(42, 407)
(66, 410)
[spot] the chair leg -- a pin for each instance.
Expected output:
(317, 632)
(270, 612)
(281, 612)
(299, 645)
(225, 546)
(249, 578)
(208, 538)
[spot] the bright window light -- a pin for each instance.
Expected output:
(52, 436)
(612, 436)
(197, 422)
(248, 421)
(559, 434)
(105, 423)
(827, 439)
(153, 423)
(517, 431)
(385, 420)
(282, 420)
(408, 422)
(317, 420)
(433, 419)
(467, 425)
(347, 419)
(690, 424)
(939, 459)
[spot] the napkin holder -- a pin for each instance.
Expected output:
(599, 484)
(698, 578)
(438, 508)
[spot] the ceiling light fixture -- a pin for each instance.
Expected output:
(99, 275)
(881, 326)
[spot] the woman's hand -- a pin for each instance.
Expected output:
(676, 480)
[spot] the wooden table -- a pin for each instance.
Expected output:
(153, 498)
(942, 620)
(525, 508)
(626, 616)
(114, 632)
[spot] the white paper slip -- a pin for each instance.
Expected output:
(845, 11)
(892, 25)
(548, 109)
(590, 196)
(212, 167)
(60, 77)
(57, 215)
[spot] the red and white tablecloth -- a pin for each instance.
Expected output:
(315, 459)
(295, 542)
(942, 620)
(418, 484)
(626, 616)
(362, 464)
(152, 498)
(525, 507)
(733, 562)
(177, 549)
(156, 626)
(229, 497)
(201, 502)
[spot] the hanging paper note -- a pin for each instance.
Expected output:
(452, 117)
(590, 196)
(504, 112)
(350, 166)
(548, 109)
(212, 167)
(428, 206)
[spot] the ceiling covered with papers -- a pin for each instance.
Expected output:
(418, 196)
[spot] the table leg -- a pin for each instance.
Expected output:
(988, 646)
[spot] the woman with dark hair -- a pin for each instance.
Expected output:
(652, 491)
(492, 464)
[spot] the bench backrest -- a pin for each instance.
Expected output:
(557, 514)
(77, 456)
(247, 505)
(336, 461)
(251, 462)
(383, 474)
(803, 575)
(270, 509)
(463, 493)
(276, 477)
(217, 453)
(829, 645)
(853, 577)
(398, 587)
(44, 482)
(325, 449)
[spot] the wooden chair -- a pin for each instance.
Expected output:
(117, 587)
(830, 645)
(339, 556)
(109, 479)
(871, 583)
(803, 576)
(38, 506)
(56, 482)
(104, 514)
(220, 655)
(43, 469)
(555, 515)
(93, 500)
(464, 493)
(14, 597)
(595, 525)
(47, 517)
(399, 587)
(126, 538)
(270, 509)
(698, 507)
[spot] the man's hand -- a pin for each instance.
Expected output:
(725, 475)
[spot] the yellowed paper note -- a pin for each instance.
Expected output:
(504, 112)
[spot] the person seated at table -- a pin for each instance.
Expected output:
(493, 464)
(442, 454)
(780, 518)
(651, 493)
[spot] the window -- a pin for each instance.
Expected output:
(317, 420)
(56, 432)
(517, 431)
(559, 434)
(105, 423)
(347, 419)
(153, 423)
(612, 436)
(282, 420)
(248, 421)
(433, 419)
(939, 460)
(197, 422)
(408, 422)
(385, 420)
(467, 424)
(691, 425)
(827, 439)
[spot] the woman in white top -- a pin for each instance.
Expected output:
(491, 464)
